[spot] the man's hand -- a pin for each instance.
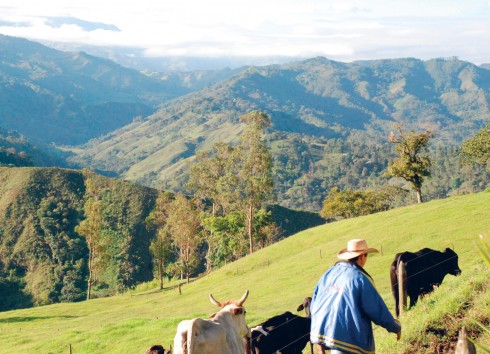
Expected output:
(399, 334)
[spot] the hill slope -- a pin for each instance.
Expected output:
(131, 322)
(311, 104)
(44, 260)
(71, 97)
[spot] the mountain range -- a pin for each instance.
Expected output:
(147, 127)
(59, 97)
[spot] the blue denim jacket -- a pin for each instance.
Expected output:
(344, 304)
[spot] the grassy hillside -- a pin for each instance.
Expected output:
(43, 259)
(279, 277)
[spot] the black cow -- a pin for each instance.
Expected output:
(425, 269)
(158, 349)
(287, 333)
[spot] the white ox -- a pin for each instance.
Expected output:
(223, 334)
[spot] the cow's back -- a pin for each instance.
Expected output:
(287, 333)
(206, 337)
(421, 271)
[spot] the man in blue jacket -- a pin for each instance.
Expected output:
(345, 302)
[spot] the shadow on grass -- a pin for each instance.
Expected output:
(30, 318)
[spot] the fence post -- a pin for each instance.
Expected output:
(402, 287)
(464, 346)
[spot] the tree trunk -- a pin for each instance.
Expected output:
(419, 196)
(250, 217)
(89, 281)
(209, 265)
(160, 272)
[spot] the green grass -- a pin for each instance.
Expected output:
(279, 277)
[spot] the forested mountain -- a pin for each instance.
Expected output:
(330, 124)
(44, 258)
(17, 150)
(330, 128)
(330, 120)
(71, 97)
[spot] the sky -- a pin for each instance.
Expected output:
(342, 30)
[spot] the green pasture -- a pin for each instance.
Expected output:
(279, 277)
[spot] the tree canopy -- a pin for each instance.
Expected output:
(476, 150)
(413, 163)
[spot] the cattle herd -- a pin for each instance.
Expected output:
(226, 332)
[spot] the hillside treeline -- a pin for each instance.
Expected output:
(306, 170)
(44, 258)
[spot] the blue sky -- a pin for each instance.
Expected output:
(343, 30)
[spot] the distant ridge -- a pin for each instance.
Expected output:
(71, 97)
(330, 120)
(311, 104)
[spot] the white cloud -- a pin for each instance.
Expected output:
(339, 29)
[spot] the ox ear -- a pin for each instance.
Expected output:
(242, 300)
(212, 315)
(214, 301)
(238, 311)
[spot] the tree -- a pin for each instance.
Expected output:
(91, 229)
(184, 226)
(161, 247)
(256, 169)
(226, 237)
(413, 163)
(476, 150)
(161, 251)
(212, 177)
(351, 203)
(266, 231)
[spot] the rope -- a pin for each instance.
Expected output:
(284, 323)
(425, 269)
(289, 344)
(280, 325)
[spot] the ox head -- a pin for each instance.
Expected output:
(305, 306)
(453, 267)
(224, 303)
(235, 307)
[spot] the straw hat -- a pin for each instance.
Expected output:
(355, 248)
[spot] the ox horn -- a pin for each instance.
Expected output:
(214, 301)
(242, 300)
